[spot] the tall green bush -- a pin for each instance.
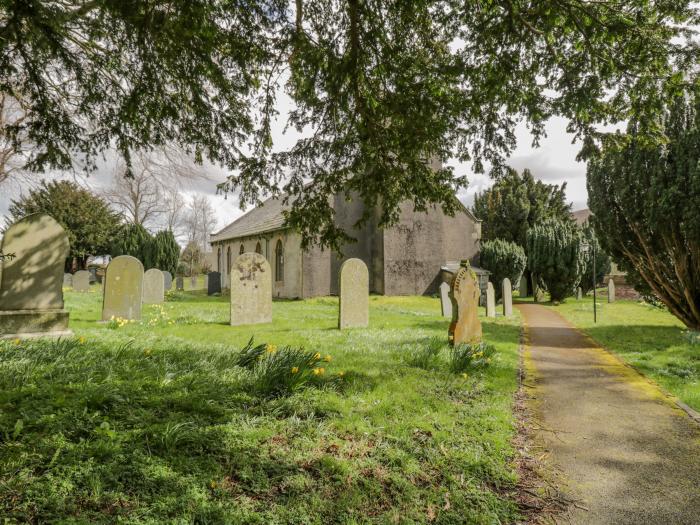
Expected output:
(503, 259)
(134, 240)
(163, 252)
(554, 256)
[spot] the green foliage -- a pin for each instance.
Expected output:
(380, 86)
(554, 256)
(425, 356)
(602, 260)
(191, 260)
(515, 203)
(163, 252)
(644, 195)
(134, 240)
(468, 356)
(503, 259)
(86, 218)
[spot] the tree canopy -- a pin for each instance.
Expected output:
(644, 196)
(378, 87)
(86, 218)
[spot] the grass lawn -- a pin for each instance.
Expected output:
(155, 422)
(649, 338)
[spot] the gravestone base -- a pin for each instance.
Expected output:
(33, 323)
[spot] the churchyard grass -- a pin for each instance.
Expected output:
(154, 421)
(647, 337)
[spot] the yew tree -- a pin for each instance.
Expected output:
(645, 197)
(376, 87)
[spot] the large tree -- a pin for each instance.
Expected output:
(87, 218)
(377, 86)
(645, 196)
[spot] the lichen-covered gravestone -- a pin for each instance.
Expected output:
(81, 281)
(579, 293)
(179, 283)
(507, 294)
(251, 290)
(445, 303)
(523, 286)
(611, 291)
(67, 280)
(153, 287)
(31, 283)
(167, 280)
(353, 289)
(464, 293)
(214, 283)
(123, 289)
(490, 300)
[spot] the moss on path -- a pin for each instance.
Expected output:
(625, 452)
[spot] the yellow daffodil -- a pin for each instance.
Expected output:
(317, 356)
(212, 484)
(271, 349)
(295, 370)
(81, 340)
(341, 374)
(147, 351)
(465, 375)
(318, 371)
(328, 358)
(17, 341)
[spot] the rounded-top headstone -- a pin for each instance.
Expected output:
(214, 283)
(33, 279)
(167, 280)
(67, 279)
(123, 288)
(490, 300)
(507, 294)
(153, 287)
(445, 302)
(354, 294)
(81, 281)
(611, 290)
(251, 290)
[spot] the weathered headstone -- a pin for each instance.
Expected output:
(153, 287)
(123, 289)
(523, 286)
(167, 280)
(31, 283)
(353, 289)
(179, 283)
(214, 283)
(445, 303)
(251, 290)
(490, 300)
(579, 293)
(507, 294)
(464, 294)
(81, 281)
(67, 280)
(611, 291)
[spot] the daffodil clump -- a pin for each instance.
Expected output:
(118, 322)
(160, 317)
(279, 371)
(470, 356)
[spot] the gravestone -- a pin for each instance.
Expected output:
(353, 288)
(67, 280)
(214, 283)
(31, 283)
(123, 289)
(92, 277)
(193, 282)
(81, 281)
(153, 287)
(464, 294)
(251, 290)
(167, 280)
(611, 291)
(179, 283)
(523, 286)
(579, 293)
(507, 292)
(445, 303)
(490, 300)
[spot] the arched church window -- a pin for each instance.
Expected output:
(279, 262)
(258, 249)
(242, 250)
(228, 259)
(218, 260)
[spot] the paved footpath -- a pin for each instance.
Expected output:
(624, 451)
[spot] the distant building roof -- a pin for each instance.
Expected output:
(265, 218)
(581, 216)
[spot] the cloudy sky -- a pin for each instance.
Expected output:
(553, 162)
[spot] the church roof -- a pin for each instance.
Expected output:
(581, 216)
(264, 218)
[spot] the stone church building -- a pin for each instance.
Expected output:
(406, 259)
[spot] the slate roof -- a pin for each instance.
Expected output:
(265, 218)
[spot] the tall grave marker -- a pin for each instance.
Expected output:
(507, 294)
(611, 291)
(354, 294)
(490, 300)
(214, 283)
(123, 289)
(167, 280)
(153, 287)
(31, 283)
(81, 281)
(445, 302)
(251, 290)
(464, 293)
